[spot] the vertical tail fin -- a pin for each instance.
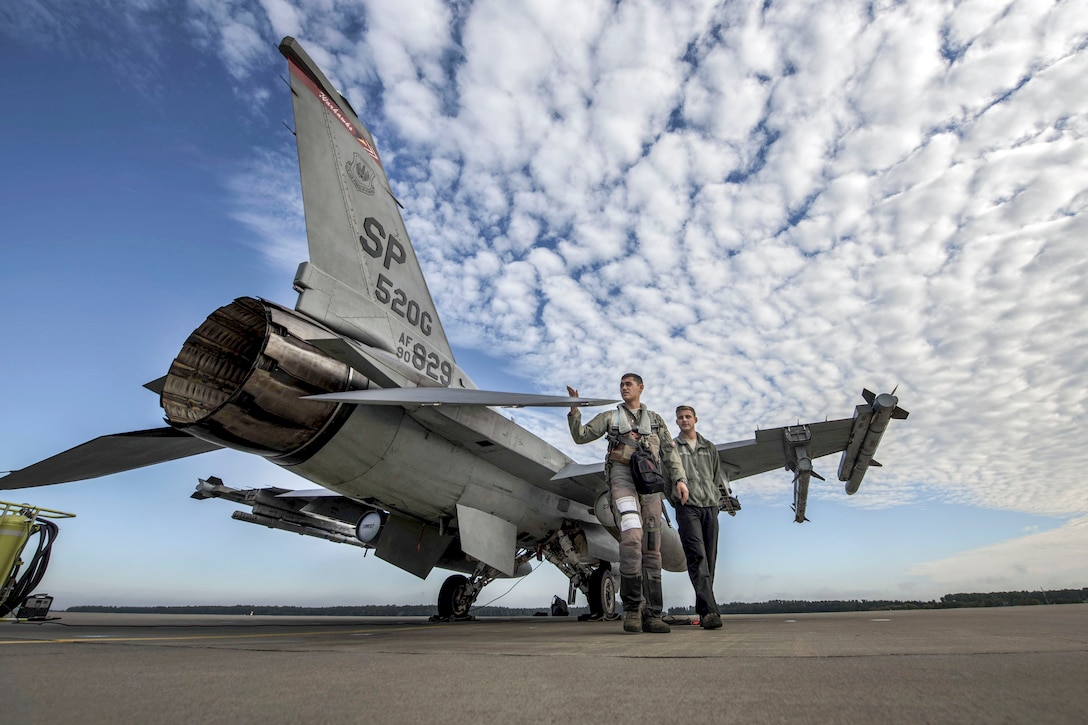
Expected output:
(363, 279)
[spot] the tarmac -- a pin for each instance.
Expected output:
(1001, 665)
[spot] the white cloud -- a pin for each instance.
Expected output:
(285, 18)
(1055, 559)
(770, 207)
(268, 200)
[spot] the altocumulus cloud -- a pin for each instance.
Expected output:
(767, 206)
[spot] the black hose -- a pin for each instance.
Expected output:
(35, 570)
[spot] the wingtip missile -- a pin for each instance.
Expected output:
(870, 422)
(888, 398)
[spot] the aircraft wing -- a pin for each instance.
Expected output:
(765, 452)
(768, 450)
(109, 454)
(793, 448)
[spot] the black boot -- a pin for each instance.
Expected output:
(651, 613)
(652, 597)
(631, 596)
(656, 625)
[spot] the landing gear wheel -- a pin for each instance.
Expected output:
(452, 602)
(602, 593)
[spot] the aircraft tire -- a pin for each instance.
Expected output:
(602, 592)
(451, 603)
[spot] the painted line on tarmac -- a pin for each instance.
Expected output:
(106, 638)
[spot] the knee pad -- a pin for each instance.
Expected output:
(629, 515)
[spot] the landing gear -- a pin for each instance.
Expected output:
(458, 593)
(453, 598)
(567, 550)
(602, 592)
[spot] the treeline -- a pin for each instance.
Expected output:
(1015, 599)
(801, 606)
(775, 606)
(948, 601)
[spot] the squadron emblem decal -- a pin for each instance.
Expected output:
(360, 175)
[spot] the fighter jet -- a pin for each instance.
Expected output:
(357, 390)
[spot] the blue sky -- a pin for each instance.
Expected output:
(793, 203)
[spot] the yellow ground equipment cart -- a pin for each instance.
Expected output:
(19, 522)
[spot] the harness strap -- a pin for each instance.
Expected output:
(621, 422)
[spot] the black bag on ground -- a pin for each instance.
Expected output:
(646, 473)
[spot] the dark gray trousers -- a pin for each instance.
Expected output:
(698, 526)
(639, 519)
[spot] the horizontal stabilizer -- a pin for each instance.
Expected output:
(456, 396)
(107, 455)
